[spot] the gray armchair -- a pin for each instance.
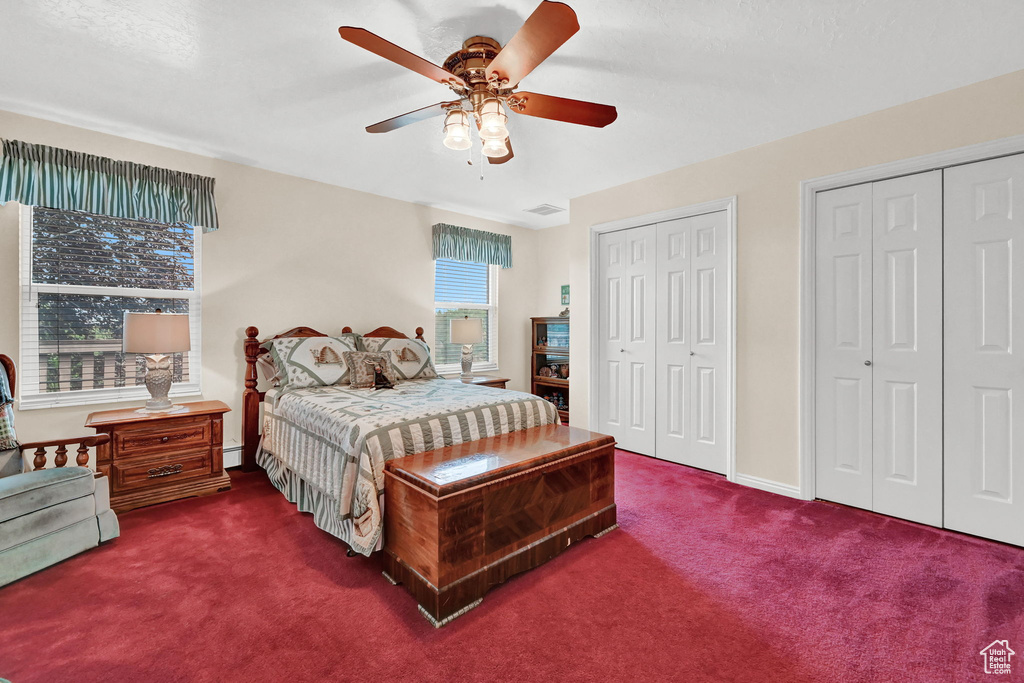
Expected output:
(49, 515)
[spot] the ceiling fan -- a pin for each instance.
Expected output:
(484, 75)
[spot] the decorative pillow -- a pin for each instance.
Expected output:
(352, 338)
(356, 339)
(361, 365)
(267, 369)
(411, 357)
(311, 361)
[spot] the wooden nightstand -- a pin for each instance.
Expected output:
(485, 381)
(157, 457)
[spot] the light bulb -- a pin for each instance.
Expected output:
(492, 120)
(495, 148)
(456, 130)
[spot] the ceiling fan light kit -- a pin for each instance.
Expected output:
(492, 120)
(456, 130)
(495, 149)
(484, 75)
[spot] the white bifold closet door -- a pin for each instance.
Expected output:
(878, 394)
(626, 326)
(663, 383)
(692, 349)
(984, 366)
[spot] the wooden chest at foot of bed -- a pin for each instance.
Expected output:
(460, 520)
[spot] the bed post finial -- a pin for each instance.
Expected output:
(419, 334)
(250, 400)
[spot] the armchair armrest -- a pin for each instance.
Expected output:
(60, 458)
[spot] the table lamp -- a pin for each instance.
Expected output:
(467, 331)
(156, 335)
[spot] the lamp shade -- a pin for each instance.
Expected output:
(467, 331)
(156, 333)
(456, 130)
(492, 120)
(495, 148)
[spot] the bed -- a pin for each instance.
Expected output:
(325, 447)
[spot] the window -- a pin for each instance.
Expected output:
(79, 273)
(462, 289)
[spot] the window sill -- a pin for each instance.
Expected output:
(97, 396)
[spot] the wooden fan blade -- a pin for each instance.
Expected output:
(410, 117)
(379, 46)
(561, 109)
(550, 25)
(501, 160)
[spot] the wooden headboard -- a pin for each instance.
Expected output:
(252, 397)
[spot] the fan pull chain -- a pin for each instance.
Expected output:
(483, 160)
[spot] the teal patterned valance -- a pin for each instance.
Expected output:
(61, 179)
(476, 246)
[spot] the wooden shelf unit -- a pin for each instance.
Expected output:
(545, 354)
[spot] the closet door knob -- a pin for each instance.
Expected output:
(867, 362)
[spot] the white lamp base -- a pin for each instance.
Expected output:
(158, 381)
(467, 362)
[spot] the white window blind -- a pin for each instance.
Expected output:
(79, 273)
(465, 289)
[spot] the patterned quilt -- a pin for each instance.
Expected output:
(336, 439)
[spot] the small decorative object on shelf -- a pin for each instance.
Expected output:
(550, 362)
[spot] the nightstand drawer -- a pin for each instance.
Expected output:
(188, 432)
(146, 473)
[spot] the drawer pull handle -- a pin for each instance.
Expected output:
(164, 471)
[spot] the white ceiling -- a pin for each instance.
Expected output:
(272, 85)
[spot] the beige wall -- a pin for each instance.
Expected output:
(310, 244)
(289, 252)
(553, 254)
(766, 181)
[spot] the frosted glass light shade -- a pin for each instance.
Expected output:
(152, 333)
(467, 331)
(456, 130)
(493, 120)
(495, 148)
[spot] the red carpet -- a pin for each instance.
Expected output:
(705, 581)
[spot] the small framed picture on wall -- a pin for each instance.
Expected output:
(565, 295)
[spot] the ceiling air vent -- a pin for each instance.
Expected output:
(544, 210)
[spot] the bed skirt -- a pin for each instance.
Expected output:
(308, 498)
